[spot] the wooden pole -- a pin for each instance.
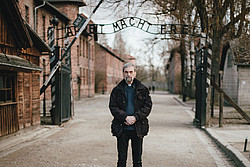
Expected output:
(44, 99)
(234, 104)
(24, 120)
(221, 101)
(212, 97)
(30, 101)
(18, 105)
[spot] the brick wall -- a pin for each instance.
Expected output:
(244, 86)
(22, 9)
(28, 97)
(230, 77)
(27, 84)
(235, 81)
(82, 66)
(100, 69)
(43, 22)
(108, 68)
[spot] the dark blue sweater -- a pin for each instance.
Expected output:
(130, 94)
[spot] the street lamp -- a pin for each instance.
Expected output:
(54, 21)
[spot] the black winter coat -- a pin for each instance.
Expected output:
(142, 107)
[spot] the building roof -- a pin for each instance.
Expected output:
(15, 23)
(37, 41)
(18, 63)
(56, 12)
(128, 57)
(79, 2)
(241, 49)
(110, 52)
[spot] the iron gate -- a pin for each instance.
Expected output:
(61, 92)
(65, 103)
(201, 85)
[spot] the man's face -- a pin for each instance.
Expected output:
(129, 74)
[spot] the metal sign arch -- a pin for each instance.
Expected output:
(136, 22)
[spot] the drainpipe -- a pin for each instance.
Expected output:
(89, 73)
(89, 67)
(35, 13)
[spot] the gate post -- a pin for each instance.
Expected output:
(204, 88)
(210, 92)
(202, 85)
(198, 92)
(55, 91)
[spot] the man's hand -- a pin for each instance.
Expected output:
(130, 120)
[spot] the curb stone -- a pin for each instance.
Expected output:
(233, 153)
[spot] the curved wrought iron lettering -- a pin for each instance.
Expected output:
(130, 21)
(156, 29)
(147, 27)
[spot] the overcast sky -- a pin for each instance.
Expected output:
(135, 38)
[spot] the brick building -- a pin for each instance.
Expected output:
(128, 58)
(39, 14)
(85, 65)
(21, 49)
(82, 52)
(108, 69)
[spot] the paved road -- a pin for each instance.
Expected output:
(86, 140)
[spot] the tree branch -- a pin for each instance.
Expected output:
(201, 8)
(225, 6)
(239, 17)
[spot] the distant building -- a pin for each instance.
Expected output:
(128, 58)
(235, 64)
(108, 69)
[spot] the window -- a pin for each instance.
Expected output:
(27, 14)
(80, 76)
(93, 53)
(87, 76)
(77, 54)
(57, 32)
(80, 48)
(7, 87)
(84, 48)
(84, 76)
(44, 28)
(87, 49)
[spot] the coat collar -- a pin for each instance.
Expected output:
(136, 82)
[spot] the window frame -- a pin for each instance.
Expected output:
(9, 85)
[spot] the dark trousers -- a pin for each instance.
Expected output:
(122, 146)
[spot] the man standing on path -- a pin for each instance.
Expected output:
(130, 104)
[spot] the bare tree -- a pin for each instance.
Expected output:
(220, 18)
(142, 73)
(120, 44)
(102, 39)
(216, 18)
(180, 12)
